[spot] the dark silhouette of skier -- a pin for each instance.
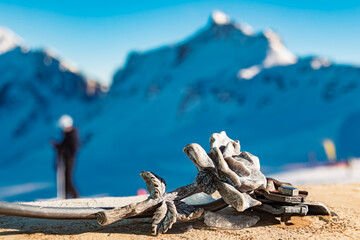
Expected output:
(66, 153)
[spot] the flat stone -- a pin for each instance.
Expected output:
(224, 221)
(289, 191)
(199, 198)
(317, 208)
(300, 209)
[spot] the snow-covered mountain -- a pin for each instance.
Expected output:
(36, 88)
(8, 40)
(223, 77)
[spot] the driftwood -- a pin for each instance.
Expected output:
(234, 174)
(225, 168)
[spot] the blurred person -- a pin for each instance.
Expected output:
(330, 150)
(65, 158)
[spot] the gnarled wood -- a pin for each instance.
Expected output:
(234, 174)
(164, 217)
(110, 216)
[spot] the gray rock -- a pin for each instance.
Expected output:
(224, 221)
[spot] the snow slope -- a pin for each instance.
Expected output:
(223, 77)
(36, 88)
(8, 40)
(168, 97)
(322, 174)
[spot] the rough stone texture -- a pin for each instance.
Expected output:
(225, 221)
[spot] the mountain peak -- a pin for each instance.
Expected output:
(8, 40)
(278, 54)
(219, 18)
(64, 64)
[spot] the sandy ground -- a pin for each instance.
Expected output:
(342, 199)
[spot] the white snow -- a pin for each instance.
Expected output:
(8, 40)
(277, 53)
(317, 63)
(64, 64)
(322, 175)
(247, 29)
(15, 190)
(68, 65)
(249, 73)
(220, 17)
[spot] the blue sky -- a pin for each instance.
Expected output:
(98, 35)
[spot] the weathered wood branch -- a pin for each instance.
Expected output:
(23, 210)
(67, 213)
(148, 206)
(110, 216)
(234, 174)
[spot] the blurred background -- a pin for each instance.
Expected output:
(143, 79)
